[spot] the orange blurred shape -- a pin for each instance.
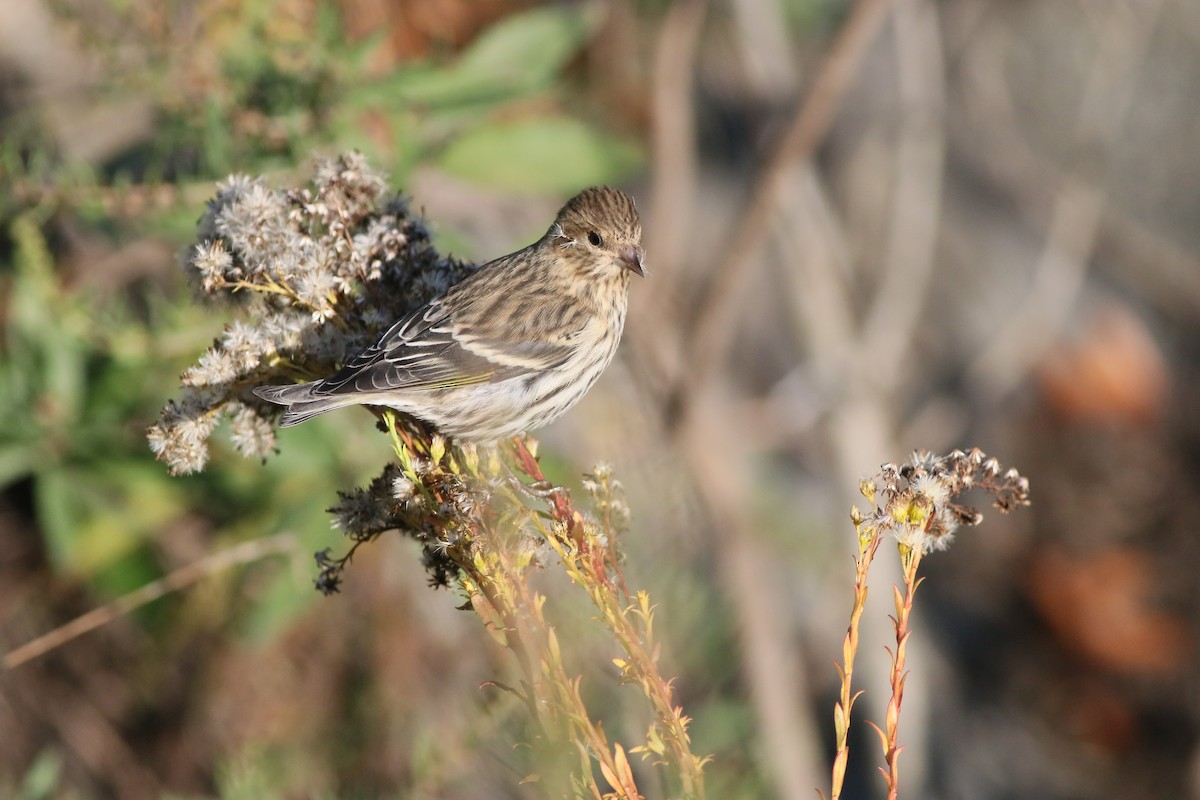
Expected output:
(1100, 607)
(1110, 371)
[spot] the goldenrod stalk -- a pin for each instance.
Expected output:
(916, 504)
(868, 543)
(560, 702)
(596, 569)
(491, 551)
(910, 559)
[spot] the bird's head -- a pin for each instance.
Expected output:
(601, 226)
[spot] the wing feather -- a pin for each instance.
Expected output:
(427, 350)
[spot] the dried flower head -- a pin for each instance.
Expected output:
(315, 273)
(915, 502)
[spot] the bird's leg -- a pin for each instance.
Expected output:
(557, 496)
(407, 437)
(541, 488)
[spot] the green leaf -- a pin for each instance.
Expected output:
(45, 333)
(31, 306)
(43, 776)
(57, 513)
(547, 154)
(530, 48)
(16, 463)
(279, 598)
(93, 517)
(519, 55)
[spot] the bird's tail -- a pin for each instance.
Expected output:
(301, 400)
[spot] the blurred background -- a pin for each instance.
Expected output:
(871, 227)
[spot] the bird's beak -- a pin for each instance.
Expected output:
(632, 257)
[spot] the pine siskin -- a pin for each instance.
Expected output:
(508, 349)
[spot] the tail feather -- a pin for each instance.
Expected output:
(287, 394)
(299, 400)
(302, 401)
(301, 412)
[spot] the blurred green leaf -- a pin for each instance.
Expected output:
(529, 49)
(132, 571)
(248, 775)
(126, 504)
(550, 154)
(34, 286)
(91, 517)
(16, 462)
(57, 512)
(41, 336)
(43, 776)
(520, 54)
(278, 599)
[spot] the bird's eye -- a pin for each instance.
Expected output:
(594, 238)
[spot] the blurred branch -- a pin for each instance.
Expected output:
(1057, 281)
(774, 672)
(673, 189)
(244, 553)
(1000, 156)
(1078, 207)
(1165, 272)
(720, 460)
(714, 312)
(673, 137)
(122, 202)
(888, 334)
(814, 244)
(860, 365)
(900, 297)
(766, 53)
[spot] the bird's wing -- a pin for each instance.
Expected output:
(429, 350)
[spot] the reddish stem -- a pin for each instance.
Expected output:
(560, 502)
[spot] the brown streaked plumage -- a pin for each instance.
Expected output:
(508, 349)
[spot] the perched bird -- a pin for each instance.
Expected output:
(509, 348)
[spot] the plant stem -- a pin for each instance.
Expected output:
(868, 544)
(910, 559)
